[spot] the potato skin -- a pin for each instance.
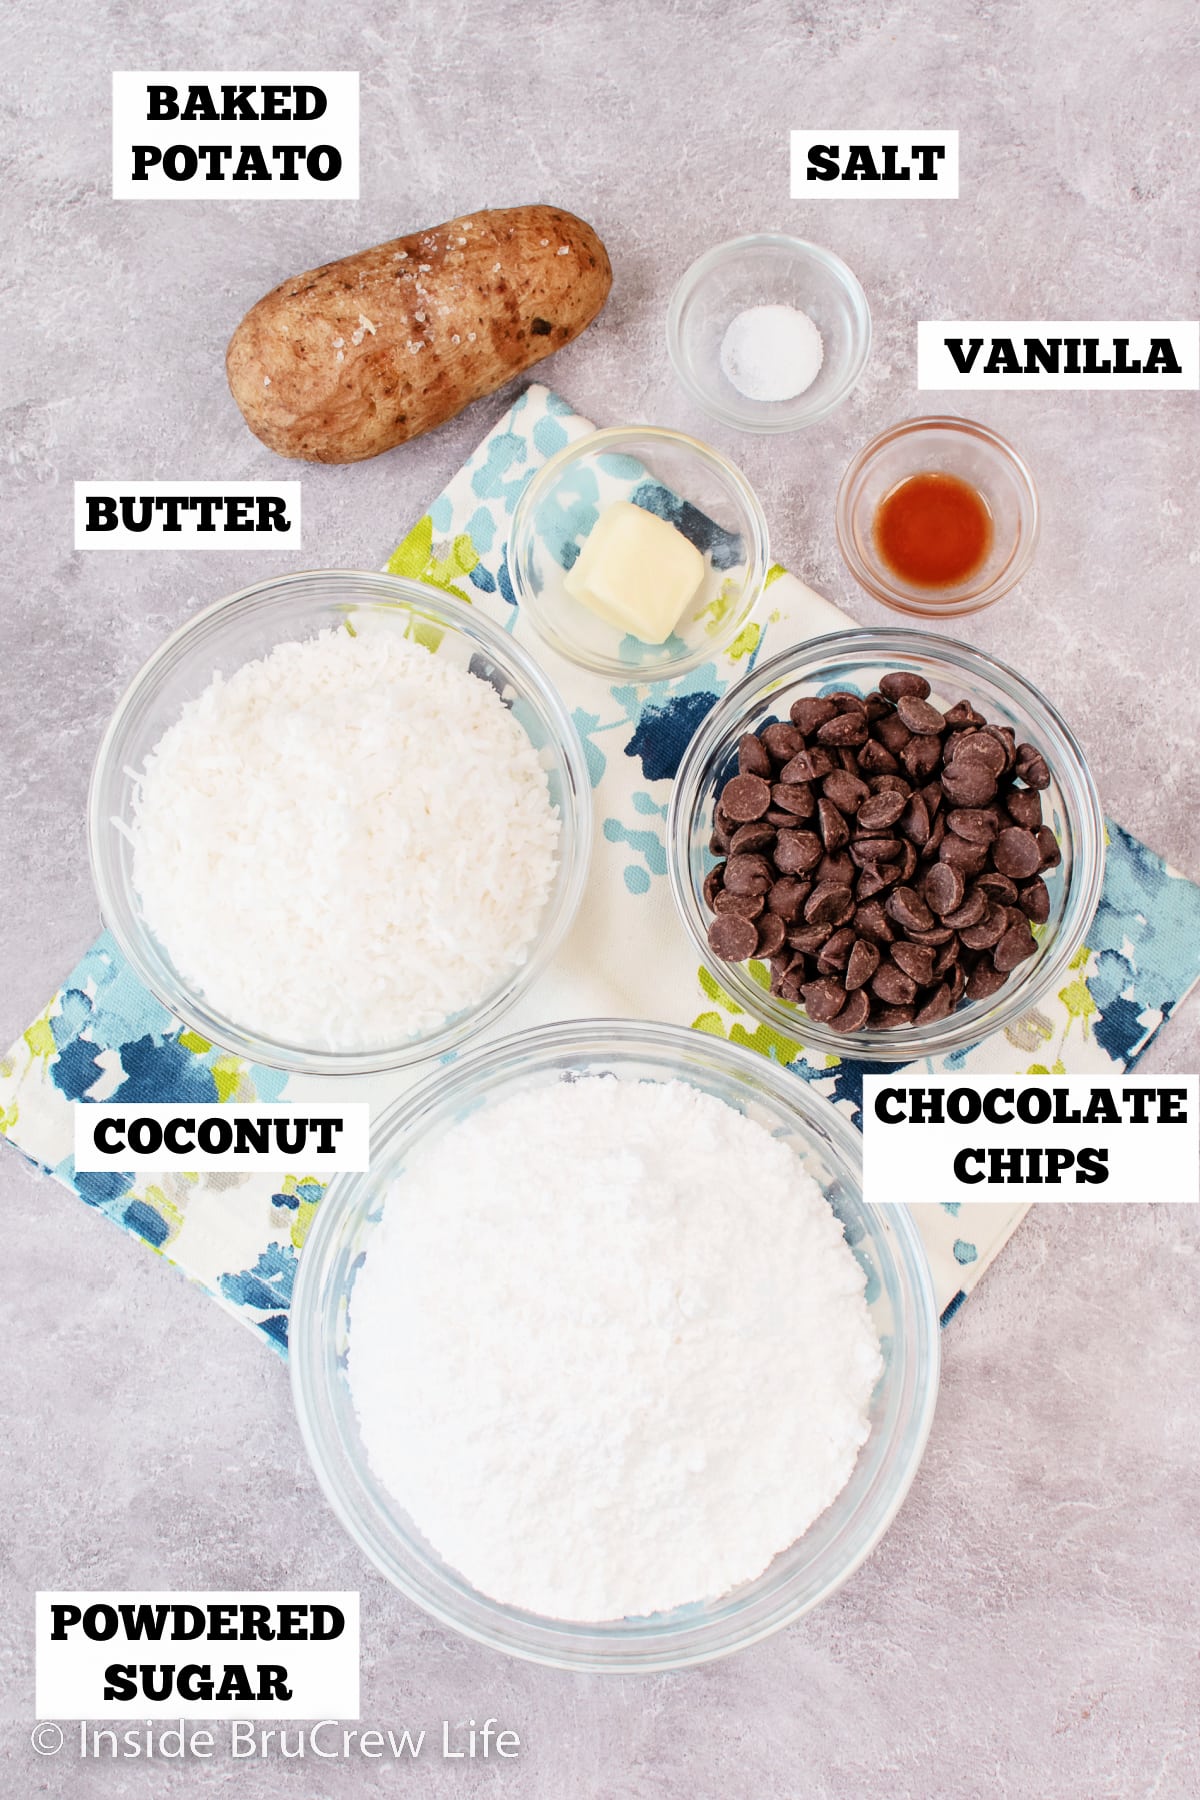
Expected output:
(353, 358)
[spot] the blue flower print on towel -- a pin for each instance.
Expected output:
(649, 844)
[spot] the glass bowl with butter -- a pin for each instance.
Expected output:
(638, 552)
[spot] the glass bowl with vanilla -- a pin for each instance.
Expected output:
(638, 552)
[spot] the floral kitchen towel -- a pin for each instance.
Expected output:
(103, 1037)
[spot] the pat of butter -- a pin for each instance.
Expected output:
(636, 571)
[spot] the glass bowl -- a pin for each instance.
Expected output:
(768, 269)
(946, 446)
(675, 476)
(900, 1294)
(854, 661)
(248, 625)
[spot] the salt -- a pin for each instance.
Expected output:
(772, 352)
(609, 1348)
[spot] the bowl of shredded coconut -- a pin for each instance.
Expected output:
(769, 333)
(339, 822)
(607, 1363)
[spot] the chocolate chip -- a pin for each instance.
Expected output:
(847, 729)
(1017, 853)
(845, 701)
(916, 960)
(794, 797)
(984, 980)
(921, 719)
(989, 931)
(937, 934)
(875, 878)
(973, 908)
(846, 791)
(982, 747)
(809, 939)
(893, 733)
(1031, 767)
(939, 1006)
(854, 1015)
(787, 896)
(712, 884)
(829, 904)
(899, 682)
(770, 935)
(891, 985)
(921, 756)
(875, 850)
(871, 921)
(1047, 843)
(810, 712)
(978, 824)
(998, 888)
(782, 741)
(908, 862)
(945, 958)
(864, 960)
(745, 797)
(748, 875)
(833, 955)
(893, 1018)
(731, 938)
(830, 823)
(1017, 943)
(1024, 807)
(879, 811)
(1034, 901)
(876, 760)
(963, 713)
(746, 906)
(807, 765)
(823, 999)
(944, 888)
(758, 835)
(914, 821)
(908, 910)
(968, 782)
(752, 757)
(969, 859)
(796, 852)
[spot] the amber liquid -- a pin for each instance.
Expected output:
(933, 530)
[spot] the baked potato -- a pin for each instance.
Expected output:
(353, 358)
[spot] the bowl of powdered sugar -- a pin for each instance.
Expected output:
(339, 822)
(607, 1363)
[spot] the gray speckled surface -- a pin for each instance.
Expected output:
(1030, 1623)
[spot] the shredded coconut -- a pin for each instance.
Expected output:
(609, 1348)
(345, 842)
(772, 352)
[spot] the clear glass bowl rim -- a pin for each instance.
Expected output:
(803, 662)
(798, 418)
(373, 588)
(925, 603)
(617, 1647)
(521, 532)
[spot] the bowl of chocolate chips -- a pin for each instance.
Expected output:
(886, 844)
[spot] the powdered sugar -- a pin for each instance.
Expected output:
(345, 842)
(609, 1348)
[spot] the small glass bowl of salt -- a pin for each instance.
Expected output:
(769, 333)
